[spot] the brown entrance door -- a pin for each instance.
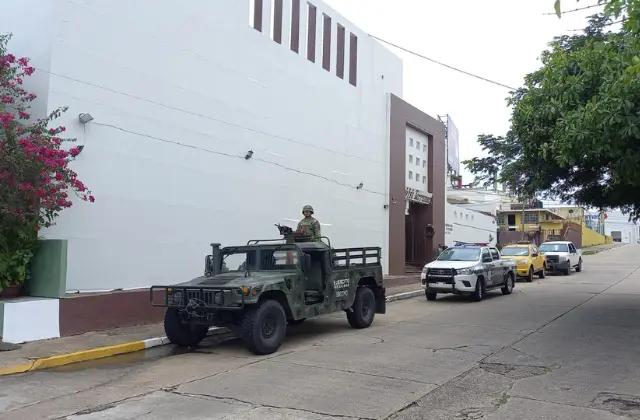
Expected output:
(409, 236)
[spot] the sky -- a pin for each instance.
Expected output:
(496, 39)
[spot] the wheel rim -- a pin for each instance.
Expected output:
(269, 327)
(509, 284)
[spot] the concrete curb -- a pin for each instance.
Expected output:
(124, 348)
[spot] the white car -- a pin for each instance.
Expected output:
(562, 256)
(470, 269)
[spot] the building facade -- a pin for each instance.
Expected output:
(213, 122)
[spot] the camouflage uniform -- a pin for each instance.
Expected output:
(309, 227)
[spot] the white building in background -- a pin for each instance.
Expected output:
(618, 226)
(466, 225)
(180, 96)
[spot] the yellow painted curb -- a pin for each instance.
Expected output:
(79, 356)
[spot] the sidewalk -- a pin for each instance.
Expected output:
(44, 354)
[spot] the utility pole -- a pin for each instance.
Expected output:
(522, 217)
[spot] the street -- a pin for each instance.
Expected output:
(563, 347)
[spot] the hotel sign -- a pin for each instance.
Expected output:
(411, 194)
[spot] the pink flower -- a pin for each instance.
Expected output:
(24, 115)
(92, 198)
(23, 61)
(74, 151)
(10, 58)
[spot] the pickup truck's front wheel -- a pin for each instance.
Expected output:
(264, 327)
(363, 309)
(181, 334)
(478, 294)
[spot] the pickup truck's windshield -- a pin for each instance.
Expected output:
(460, 254)
(259, 260)
(514, 251)
(554, 248)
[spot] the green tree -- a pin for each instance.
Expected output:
(575, 127)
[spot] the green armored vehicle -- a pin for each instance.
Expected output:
(257, 289)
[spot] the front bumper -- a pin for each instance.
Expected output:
(522, 270)
(450, 284)
(557, 266)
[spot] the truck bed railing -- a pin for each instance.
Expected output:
(356, 257)
(198, 296)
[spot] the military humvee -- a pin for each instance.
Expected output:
(258, 288)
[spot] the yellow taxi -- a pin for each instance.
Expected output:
(529, 260)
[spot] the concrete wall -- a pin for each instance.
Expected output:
(591, 238)
(467, 225)
(180, 94)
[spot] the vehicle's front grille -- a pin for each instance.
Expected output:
(206, 297)
(553, 258)
(440, 272)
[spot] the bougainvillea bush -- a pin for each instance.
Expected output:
(35, 177)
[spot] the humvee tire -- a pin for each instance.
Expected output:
(264, 327)
(180, 334)
(364, 308)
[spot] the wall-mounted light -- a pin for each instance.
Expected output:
(360, 185)
(85, 117)
(248, 155)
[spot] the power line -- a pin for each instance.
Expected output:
(575, 10)
(229, 155)
(450, 67)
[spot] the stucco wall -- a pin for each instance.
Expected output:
(468, 226)
(180, 94)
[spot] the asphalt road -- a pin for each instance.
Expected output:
(558, 348)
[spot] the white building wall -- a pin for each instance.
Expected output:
(464, 225)
(616, 221)
(179, 95)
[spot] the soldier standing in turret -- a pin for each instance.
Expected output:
(309, 227)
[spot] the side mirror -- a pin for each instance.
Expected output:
(305, 262)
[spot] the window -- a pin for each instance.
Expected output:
(472, 217)
(486, 254)
(410, 142)
(410, 175)
(424, 179)
(417, 161)
(424, 163)
(466, 216)
(531, 217)
(418, 145)
(417, 177)
(494, 254)
(455, 214)
(410, 158)
(501, 220)
(424, 148)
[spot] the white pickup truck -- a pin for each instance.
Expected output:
(562, 256)
(468, 269)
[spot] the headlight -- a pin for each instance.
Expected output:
(177, 298)
(425, 270)
(217, 298)
(465, 271)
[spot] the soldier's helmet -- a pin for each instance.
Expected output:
(307, 208)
